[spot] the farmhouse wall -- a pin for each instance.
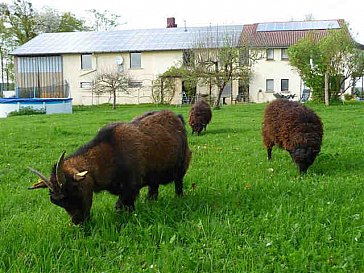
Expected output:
(153, 63)
(276, 70)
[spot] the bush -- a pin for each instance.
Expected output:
(28, 110)
(348, 96)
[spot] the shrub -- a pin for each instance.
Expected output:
(348, 96)
(28, 110)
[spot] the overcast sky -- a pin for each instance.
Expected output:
(153, 13)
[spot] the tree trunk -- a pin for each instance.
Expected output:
(327, 101)
(210, 93)
(2, 70)
(217, 102)
(114, 101)
(162, 92)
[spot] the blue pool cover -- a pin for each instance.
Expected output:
(34, 101)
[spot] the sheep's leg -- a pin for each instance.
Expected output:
(269, 150)
(153, 192)
(178, 186)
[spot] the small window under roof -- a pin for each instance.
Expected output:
(305, 25)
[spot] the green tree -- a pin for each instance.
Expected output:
(6, 45)
(344, 61)
(70, 23)
(188, 78)
(308, 60)
(50, 20)
(21, 20)
(163, 89)
(17, 26)
(335, 56)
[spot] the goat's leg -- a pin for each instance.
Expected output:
(153, 192)
(127, 199)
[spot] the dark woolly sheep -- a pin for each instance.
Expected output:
(295, 128)
(165, 169)
(199, 116)
(122, 158)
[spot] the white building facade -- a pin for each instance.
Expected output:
(65, 64)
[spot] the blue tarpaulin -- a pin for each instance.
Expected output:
(35, 100)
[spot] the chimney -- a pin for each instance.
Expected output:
(171, 22)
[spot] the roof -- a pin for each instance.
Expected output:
(124, 40)
(285, 34)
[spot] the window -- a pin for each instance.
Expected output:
(86, 61)
(244, 57)
(135, 84)
(270, 54)
(86, 85)
(135, 60)
(269, 85)
(284, 85)
(284, 54)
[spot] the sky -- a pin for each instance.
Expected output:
(153, 13)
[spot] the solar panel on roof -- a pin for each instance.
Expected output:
(124, 40)
(305, 25)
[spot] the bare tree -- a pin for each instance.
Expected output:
(220, 61)
(103, 21)
(309, 17)
(111, 82)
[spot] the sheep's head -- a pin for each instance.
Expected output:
(304, 157)
(197, 127)
(68, 189)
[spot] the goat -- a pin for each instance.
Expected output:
(295, 128)
(199, 116)
(122, 158)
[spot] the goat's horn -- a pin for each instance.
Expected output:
(42, 177)
(38, 185)
(59, 170)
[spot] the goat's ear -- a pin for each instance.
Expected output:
(80, 175)
(38, 185)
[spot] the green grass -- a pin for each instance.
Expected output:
(240, 213)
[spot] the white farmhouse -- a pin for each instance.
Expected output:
(64, 64)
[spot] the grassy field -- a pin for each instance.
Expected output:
(240, 213)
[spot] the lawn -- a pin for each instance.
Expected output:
(240, 212)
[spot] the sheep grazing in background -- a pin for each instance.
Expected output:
(295, 128)
(122, 158)
(199, 116)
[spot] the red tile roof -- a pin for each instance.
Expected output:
(283, 38)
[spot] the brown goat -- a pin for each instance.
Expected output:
(295, 128)
(199, 116)
(122, 158)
